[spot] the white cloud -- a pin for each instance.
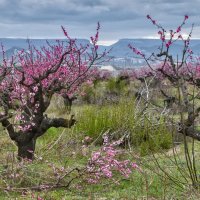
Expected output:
(107, 42)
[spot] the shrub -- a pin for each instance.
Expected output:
(121, 120)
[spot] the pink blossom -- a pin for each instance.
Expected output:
(168, 44)
(153, 21)
(180, 37)
(148, 17)
(136, 51)
(105, 161)
(163, 38)
(178, 29)
(134, 165)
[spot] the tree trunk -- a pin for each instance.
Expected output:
(26, 149)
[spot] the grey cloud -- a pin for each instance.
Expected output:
(119, 18)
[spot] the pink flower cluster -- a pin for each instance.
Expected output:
(95, 39)
(104, 163)
(162, 35)
(136, 51)
(162, 31)
(190, 71)
(102, 75)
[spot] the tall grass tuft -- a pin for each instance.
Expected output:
(93, 120)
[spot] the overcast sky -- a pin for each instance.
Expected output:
(118, 18)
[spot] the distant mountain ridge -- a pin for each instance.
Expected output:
(122, 55)
(23, 43)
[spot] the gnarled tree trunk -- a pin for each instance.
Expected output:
(26, 140)
(26, 149)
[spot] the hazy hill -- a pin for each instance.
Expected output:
(122, 55)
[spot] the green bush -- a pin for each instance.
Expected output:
(94, 120)
(116, 86)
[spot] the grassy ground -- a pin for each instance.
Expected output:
(163, 171)
(64, 148)
(150, 184)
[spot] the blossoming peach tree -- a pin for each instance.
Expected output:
(29, 80)
(180, 72)
(180, 75)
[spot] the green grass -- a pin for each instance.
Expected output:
(60, 150)
(97, 119)
(136, 187)
(120, 119)
(64, 147)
